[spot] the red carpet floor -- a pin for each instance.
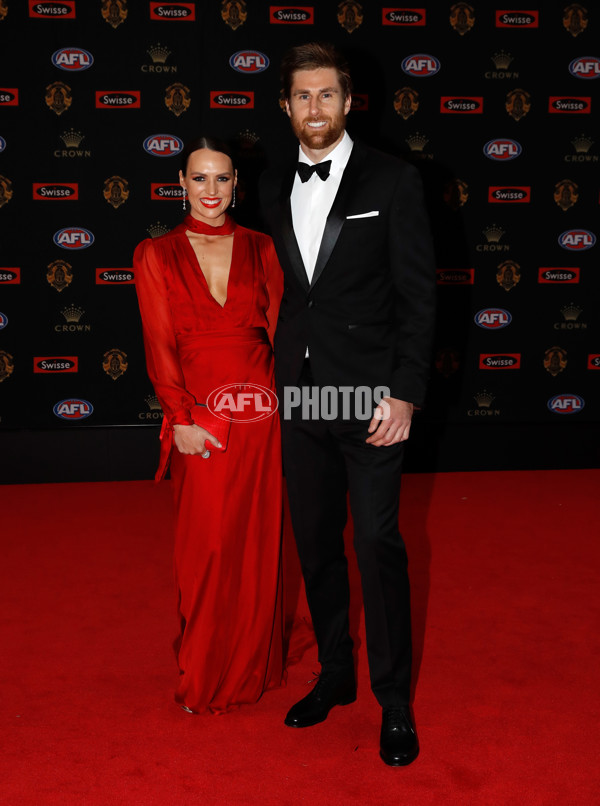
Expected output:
(504, 569)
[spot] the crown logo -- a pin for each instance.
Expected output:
(152, 402)
(72, 139)
(571, 312)
(72, 313)
(158, 53)
(484, 399)
(417, 142)
(502, 59)
(582, 144)
(248, 138)
(155, 230)
(493, 233)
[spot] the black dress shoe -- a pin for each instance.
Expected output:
(398, 743)
(329, 690)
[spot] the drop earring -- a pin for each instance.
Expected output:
(233, 198)
(184, 204)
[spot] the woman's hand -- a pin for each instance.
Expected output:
(190, 439)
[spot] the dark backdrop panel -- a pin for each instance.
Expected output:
(498, 110)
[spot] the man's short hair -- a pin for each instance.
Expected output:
(312, 56)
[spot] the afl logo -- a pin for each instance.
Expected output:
(2, 144)
(566, 404)
(163, 145)
(72, 59)
(73, 409)
(242, 402)
(3, 320)
(493, 318)
(585, 67)
(577, 240)
(421, 65)
(249, 61)
(73, 238)
(502, 150)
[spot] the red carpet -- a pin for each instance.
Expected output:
(506, 611)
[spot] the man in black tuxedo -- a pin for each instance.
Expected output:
(354, 243)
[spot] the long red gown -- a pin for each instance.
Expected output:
(228, 507)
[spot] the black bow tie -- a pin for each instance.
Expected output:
(305, 171)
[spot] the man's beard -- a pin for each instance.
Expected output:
(318, 139)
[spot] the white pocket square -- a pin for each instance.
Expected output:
(364, 215)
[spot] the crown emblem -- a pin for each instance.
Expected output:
(484, 399)
(493, 233)
(72, 313)
(155, 230)
(248, 138)
(502, 60)
(72, 139)
(582, 144)
(152, 402)
(571, 312)
(158, 53)
(417, 142)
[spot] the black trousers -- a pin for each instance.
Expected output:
(324, 461)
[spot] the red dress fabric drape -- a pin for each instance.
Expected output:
(228, 507)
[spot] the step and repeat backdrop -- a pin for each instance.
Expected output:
(496, 105)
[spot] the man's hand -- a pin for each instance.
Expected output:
(391, 422)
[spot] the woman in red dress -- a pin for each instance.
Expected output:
(209, 294)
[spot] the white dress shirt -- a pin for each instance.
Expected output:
(312, 200)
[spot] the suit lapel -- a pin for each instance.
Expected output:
(287, 230)
(337, 214)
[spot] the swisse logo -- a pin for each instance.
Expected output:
(585, 67)
(10, 276)
(114, 99)
(50, 10)
(173, 11)
(242, 402)
(517, 19)
(9, 97)
(508, 194)
(558, 275)
(455, 276)
(114, 277)
(421, 65)
(470, 105)
(73, 409)
(569, 105)
(502, 149)
(73, 238)
(54, 364)
(403, 16)
(566, 404)
(593, 361)
(493, 318)
(232, 100)
(163, 145)
(62, 191)
(500, 361)
(577, 240)
(161, 191)
(292, 15)
(72, 60)
(249, 61)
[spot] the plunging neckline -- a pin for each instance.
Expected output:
(201, 270)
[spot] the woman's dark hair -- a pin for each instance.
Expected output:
(211, 143)
(312, 56)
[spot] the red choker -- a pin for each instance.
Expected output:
(195, 225)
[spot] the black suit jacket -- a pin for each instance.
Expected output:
(367, 316)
